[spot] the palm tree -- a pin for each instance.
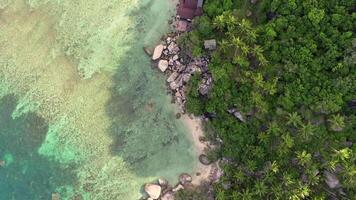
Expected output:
(246, 195)
(294, 119)
(245, 26)
(231, 21)
(258, 52)
(337, 122)
(273, 128)
(304, 158)
(224, 45)
(237, 42)
(288, 140)
(260, 189)
(307, 130)
(219, 22)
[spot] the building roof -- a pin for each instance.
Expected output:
(188, 9)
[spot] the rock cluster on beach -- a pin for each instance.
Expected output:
(179, 71)
(164, 191)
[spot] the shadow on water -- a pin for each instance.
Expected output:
(26, 175)
(146, 134)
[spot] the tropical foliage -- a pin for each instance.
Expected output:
(289, 68)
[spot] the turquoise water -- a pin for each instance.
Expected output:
(82, 112)
(26, 175)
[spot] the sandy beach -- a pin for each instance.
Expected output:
(195, 127)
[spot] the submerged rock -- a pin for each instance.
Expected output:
(56, 196)
(2, 163)
(204, 159)
(157, 52)
(148, 51)
(153, 190)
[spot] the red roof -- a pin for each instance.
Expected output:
(188, 9)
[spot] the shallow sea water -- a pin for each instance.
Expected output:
(82, 113)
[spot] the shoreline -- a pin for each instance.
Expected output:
(166, 58)
(203, 172)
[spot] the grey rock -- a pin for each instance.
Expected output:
(203, 89)
(175, 57)
(173, 85)
(179, 100)
(178, 94)
(204, 159)
(168, 196)
(172, 77)
(186, 77)
(172, 46)
(177, 188)
(162, 182)
(236, 114)
(185, 178)
(153, 190)
(157, 52)
(165, 52)
(171, 62)
(191, 69)
(331, 180)
(163, 65)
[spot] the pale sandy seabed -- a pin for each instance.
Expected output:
(79, 65)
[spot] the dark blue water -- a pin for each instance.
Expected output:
(26, 175)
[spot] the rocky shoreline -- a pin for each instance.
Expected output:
(166, 57)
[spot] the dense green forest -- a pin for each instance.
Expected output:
(288, 67)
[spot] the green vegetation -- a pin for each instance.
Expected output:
(289, 68)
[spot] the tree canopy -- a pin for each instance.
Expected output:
(289, 68)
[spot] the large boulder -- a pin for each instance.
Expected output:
(331, 180)
(203, 89)
(204, 159)
(236, 114)
(153, 190)
(177, 188)
(186, 77)
(173, 48)
(162, 182)
(163, 65)
(185, 178)
(172, 77)
(182, 26)
(157, 52)
(168, 196)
